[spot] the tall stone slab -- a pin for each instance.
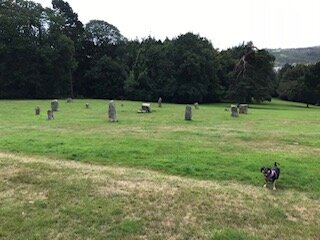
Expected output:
(54, 105)
(234, 111)
(188, 113)
(112, 112)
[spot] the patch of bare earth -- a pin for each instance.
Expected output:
(180, 208)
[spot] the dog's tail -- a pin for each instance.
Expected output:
(275, 164)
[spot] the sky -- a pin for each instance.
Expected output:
(226, 23)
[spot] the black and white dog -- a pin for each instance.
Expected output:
(271, 175)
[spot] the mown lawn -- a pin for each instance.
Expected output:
(215, 189)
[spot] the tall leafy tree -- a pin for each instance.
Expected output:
(71, 26)
(21, 34)
(182, 70)
(145, 80)
(102, 44)
(73, 29)
(196, 62)
(290, 81)
(312, 82)
(253, 77)
(106, 79)
(102, 33)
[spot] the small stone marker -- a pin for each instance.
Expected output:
(87, 105)
(69, 100)
(243, 108)
(37, 110)
(54, 105)
(145, 108)
(50, 115)
(234, 111)
(160, 102)
(188, 113)
(196, 105)
(112, 112)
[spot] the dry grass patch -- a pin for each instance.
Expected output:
(154, 205)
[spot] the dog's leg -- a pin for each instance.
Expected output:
(265, 185)
(274, 185)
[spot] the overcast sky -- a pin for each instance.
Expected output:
(226, 23)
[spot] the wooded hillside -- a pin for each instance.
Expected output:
(308, 55)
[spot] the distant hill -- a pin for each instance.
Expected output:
(308, 55)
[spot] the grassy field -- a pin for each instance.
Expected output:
(156, 176)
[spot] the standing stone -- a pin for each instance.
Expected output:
(50, 115)
(112, 112)
(160, 102)
(196, 105)
(69, 100)
(87, 105)
(37, 110)
(243, 108)
(54, 105)
(188, 113)
(234, 111)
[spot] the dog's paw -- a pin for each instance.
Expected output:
(274, 188)
(265, 185)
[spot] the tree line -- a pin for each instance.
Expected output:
(49, 53)
(300, 83)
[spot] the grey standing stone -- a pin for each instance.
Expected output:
(160, 102)
(188, 113)
(50, 115)
(54, 105)
(37, 110)
(69, 100)
(243, 108)
(112, 112)
(196, 105)
(234, 111)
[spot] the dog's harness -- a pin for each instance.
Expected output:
(272, 175)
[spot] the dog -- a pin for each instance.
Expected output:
(271, 175)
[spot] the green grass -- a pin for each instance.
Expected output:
(39, 201)
(212, 146)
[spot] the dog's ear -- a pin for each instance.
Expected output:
(262, 169)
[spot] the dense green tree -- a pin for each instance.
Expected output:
(20, 36)
(226, 69)
(65, 64)
(312, 81)
(196, 66)
(290, 80)
(36, 58)
(106, 79)
(300, 83)
(181, 70)
(103, 44)
(146, 71)
(253, 77)
(71, 26)
(102, 33)
(73, 29)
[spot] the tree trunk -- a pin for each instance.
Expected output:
(71, 85)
